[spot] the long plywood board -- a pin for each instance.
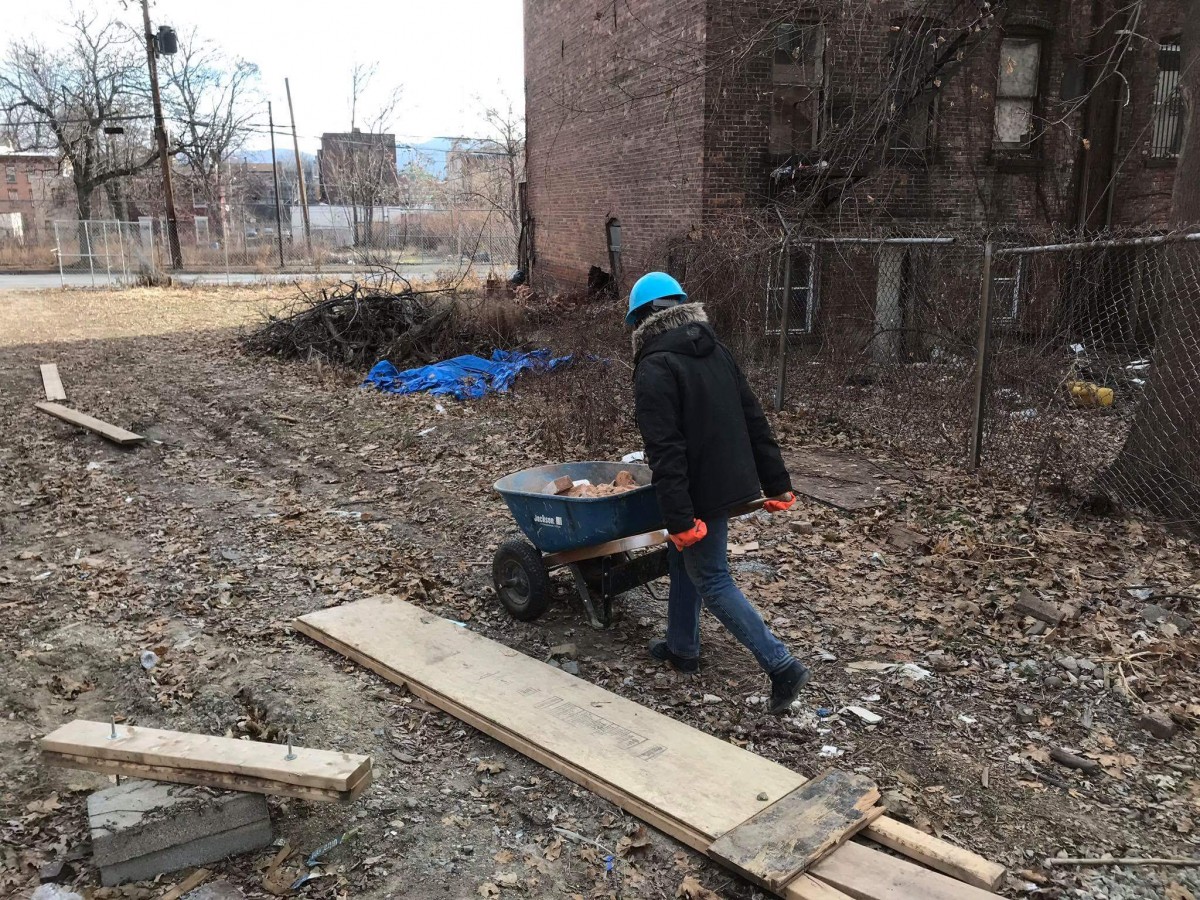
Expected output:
(114, 433)
(328, 770)
(51, 383)
(774, 846)
(220, 780)
(643, 761)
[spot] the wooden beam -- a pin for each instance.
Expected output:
(51, 383)
(219, 780)
(774, 846)
(83, 420)
(639, 759)
(937, 854)
(326, 769)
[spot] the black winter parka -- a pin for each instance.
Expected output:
(708, 443)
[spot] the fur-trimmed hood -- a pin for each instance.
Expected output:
(664, 320)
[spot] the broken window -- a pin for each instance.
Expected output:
(1016, 91)
(798, 74)
(801, 289)
(1166, 124)
(914, 83)
(10, 174)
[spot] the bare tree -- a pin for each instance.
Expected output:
(209, 98)
(63, 100)
(360, 168)
(490, 169)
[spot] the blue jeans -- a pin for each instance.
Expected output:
(701, 573)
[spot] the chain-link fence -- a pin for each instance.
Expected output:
(422, 242)
(1093, 357)
(1083, 379)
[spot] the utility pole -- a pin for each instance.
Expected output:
(160, 133)
(275, 179)
(299, 171)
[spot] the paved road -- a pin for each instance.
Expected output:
(101, 279)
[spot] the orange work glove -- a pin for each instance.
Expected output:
(693, 535)
(779, 504)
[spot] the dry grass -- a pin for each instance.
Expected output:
(34, 317)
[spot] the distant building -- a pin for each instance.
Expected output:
(358, 168)
(29, 194)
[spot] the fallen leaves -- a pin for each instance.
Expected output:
(691, 889)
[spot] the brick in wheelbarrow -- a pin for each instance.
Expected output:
(141, 829)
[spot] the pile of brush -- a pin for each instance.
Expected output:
(357, 323)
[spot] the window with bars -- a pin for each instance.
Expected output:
(1017, 92)
(803, 294)
(1166, 125)
(1008, 277)
(798, 75)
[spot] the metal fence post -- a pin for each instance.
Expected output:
(781, 376)
(87, 240)
(982, 351)
(59, 253)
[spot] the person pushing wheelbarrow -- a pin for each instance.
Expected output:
(710, 449)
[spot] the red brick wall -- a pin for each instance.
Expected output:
(613, 118)
(606, 139)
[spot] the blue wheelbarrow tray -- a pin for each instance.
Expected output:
(554, 524)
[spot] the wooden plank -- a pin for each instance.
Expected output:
(937, 854)
(51, 383)
(868, 875)
(643, 761)
(326, 769)
(785, 839)
(83, 420)
(220, 780)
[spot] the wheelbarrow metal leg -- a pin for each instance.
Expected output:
(585, 595)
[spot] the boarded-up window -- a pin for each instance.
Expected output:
(798, 74)
(1016, 91)
(1166, 131)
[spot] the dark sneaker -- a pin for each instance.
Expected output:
(660, 651)
(786, 685)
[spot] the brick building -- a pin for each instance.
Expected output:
(29, 195)
(358, 168)
(652, 125)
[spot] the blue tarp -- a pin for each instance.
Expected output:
(464, 377)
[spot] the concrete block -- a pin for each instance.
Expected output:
(200, 852)
(143, 828)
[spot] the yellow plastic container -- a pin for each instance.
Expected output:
(1090, 395)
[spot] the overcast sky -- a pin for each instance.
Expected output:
(443, 53)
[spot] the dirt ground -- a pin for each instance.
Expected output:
(267, 490)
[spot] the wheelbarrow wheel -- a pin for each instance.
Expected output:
(522, 583)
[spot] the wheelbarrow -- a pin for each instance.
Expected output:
(594, 537)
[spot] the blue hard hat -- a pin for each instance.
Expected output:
(650, 287)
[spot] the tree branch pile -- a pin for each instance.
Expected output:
(357, 323)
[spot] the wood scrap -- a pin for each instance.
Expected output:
(1050, 613)
(206, 755)
(219, 780)
(112, 432)
(1071, 761)
(633, 756)
(789, 836)
(1124, 861)
(51, 383)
